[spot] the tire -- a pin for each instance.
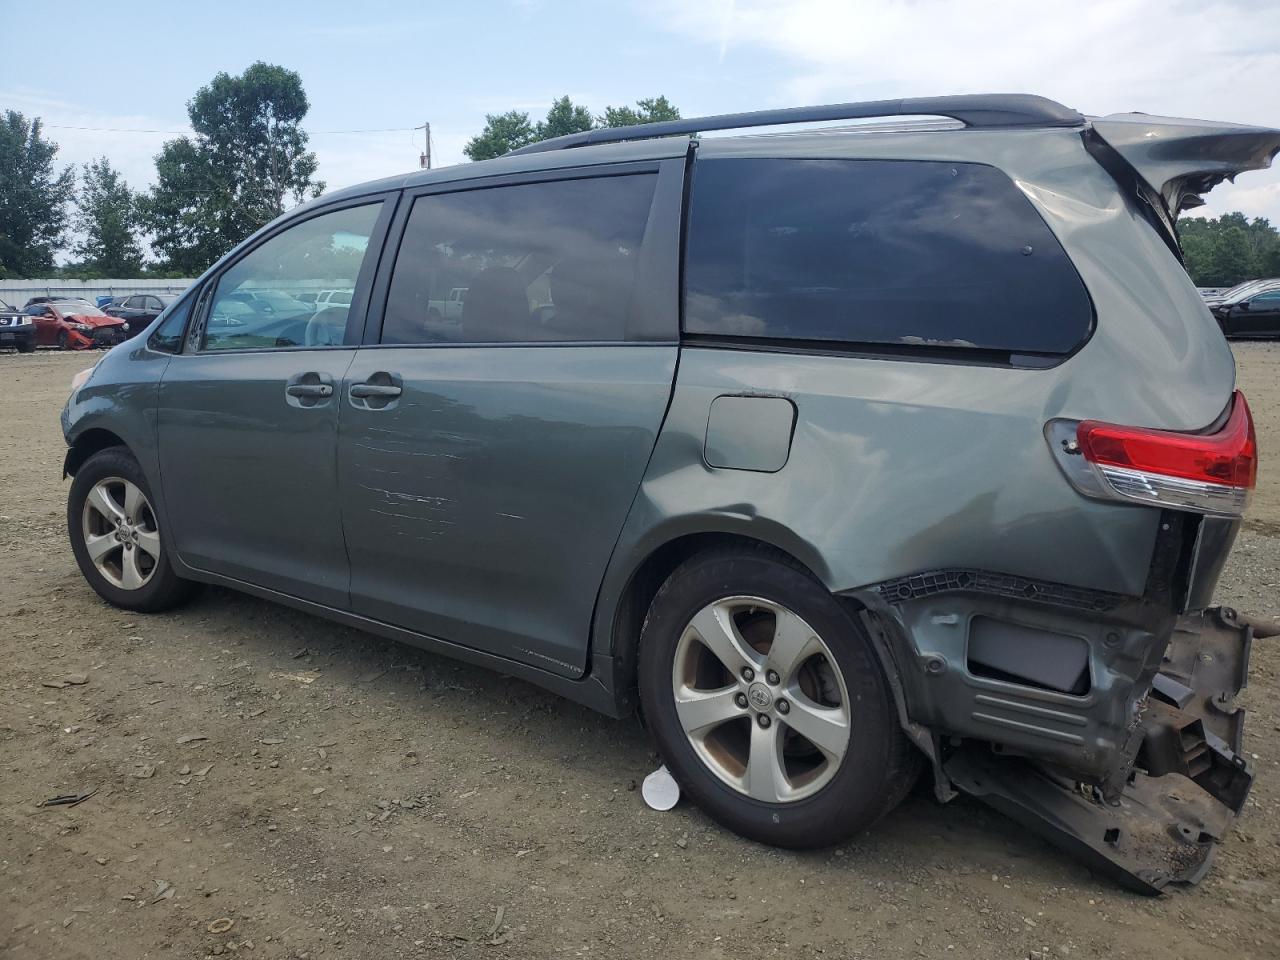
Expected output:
(133, 573)
(62, 340)
(26, 346)
(814, 804)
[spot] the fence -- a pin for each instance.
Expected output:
(18, 292)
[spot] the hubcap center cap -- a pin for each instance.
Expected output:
(760, 696)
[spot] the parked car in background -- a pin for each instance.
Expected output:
(49, 299)
(140, 309)
(17, 330)
(844, 454)
(75, 325)
(1233, 294)
(1254, 314)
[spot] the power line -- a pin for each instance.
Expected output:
(313, 133)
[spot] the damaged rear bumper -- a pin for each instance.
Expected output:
(1188, 783)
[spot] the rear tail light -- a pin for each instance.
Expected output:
(1205, 472)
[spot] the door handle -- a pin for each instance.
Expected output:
(309, 390)
(365, 390)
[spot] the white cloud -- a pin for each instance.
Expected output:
(1218, 59)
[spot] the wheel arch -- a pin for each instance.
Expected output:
(86, 444)
(619, 623)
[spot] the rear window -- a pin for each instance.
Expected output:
(877, 252)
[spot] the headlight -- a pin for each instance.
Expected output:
(81, 378)
(124, 326)
(82, 327)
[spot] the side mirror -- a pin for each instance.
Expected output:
(1243, 304)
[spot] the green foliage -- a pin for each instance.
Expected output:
(107, 220)
(248, 156)
(33, 198)
(563, 118)
(652, 110)
(504, 132)
(1230, 249)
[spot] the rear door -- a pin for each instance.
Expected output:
(487, 461)
(249, 410)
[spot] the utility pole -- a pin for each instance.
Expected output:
(424, 159)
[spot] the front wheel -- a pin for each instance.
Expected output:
(768, 702)
(26, 346)
(115, 535)
(62, 340)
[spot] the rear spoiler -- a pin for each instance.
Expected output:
(1182, 159)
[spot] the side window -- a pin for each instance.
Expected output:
(167, 338)
(878, 252)
(530, 262)
(152, 303)
(1269, 300)
(257, 304)
(133, 303)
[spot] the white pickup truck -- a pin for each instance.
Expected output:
(450, 309)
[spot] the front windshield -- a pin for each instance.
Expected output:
(80, 308)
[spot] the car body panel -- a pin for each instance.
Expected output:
(499, 473)
(250, 477)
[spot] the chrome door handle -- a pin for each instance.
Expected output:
(364, 390)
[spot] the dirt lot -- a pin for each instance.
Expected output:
(400, 805)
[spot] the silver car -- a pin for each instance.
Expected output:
(841, 455)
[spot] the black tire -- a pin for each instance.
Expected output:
(26, 346)
(165, 589)
(879, 766)
(62, 340)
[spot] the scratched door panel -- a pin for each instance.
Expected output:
(482, 503)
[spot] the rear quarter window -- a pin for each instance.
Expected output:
(933, 254)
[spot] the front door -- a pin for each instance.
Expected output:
(1261, 319)
(248, 412)
(489, 456)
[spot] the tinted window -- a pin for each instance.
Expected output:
(531, 262)
(1270, 299)
(256, 303)
(874, 251)
(167, 337)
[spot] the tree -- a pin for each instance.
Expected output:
(502, 133)
(247, 158)
(1224, 251)
(107, 220)
(563, 118)
(33, 198)
(652, 110)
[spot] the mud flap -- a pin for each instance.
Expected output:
(1188, 784)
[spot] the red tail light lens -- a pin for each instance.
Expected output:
(1211, 472)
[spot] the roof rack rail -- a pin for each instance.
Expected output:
(973, 110)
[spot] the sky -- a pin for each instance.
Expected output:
(127, 69)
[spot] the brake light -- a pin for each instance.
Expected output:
(1209, 473)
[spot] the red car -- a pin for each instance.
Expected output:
(75, 325)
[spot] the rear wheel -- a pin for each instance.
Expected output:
(768, 702)
(115, 535)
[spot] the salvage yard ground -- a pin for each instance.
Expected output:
(270, 785)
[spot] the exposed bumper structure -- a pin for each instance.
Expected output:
(1189, 782)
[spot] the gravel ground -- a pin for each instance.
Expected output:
(329, 794)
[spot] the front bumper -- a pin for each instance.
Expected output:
(1188, 783)
(13, 334)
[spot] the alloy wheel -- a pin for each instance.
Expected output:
(761, 699)
(120, 532)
